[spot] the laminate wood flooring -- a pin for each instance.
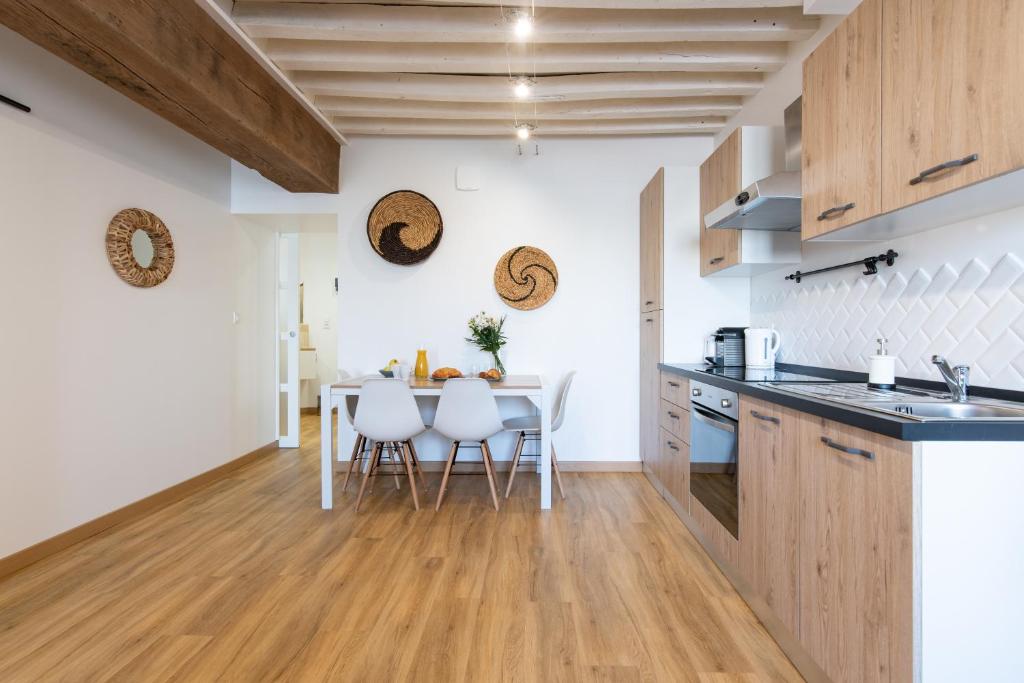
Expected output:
(249, 580)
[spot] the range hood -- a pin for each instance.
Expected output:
(773, 202)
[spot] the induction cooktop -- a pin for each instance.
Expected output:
(766, 375)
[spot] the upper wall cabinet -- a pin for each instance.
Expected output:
(842, 118)
(953, 104)
(749, 154)
(905, 103)
(719, 182)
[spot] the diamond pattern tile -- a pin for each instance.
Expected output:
(974, 315)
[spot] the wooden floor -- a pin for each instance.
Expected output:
(249, 580)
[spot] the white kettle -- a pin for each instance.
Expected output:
(761, 345)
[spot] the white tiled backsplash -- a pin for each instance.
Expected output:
(969, 309)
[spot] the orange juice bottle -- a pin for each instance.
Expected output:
(422, 370)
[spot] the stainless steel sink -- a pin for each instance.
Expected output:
(947, 410)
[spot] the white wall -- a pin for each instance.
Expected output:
(111, 392)
(578, 200)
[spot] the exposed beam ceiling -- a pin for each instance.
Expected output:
(585, 4)
(403, 24)
(680, 107)
(448, 88)
(484, 58)
(174, 59)
(447, 127)
(607, 67)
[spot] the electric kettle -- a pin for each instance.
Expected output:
(761, 346)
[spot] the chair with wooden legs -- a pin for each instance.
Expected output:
(528, 427)
(467, 412)
(387, 415)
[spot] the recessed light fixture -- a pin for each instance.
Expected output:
(522, 25)
(523, 131)
(522, 87)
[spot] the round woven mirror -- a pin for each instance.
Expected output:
(140, 260)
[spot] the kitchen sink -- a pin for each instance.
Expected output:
(947, 410)
(914, 404)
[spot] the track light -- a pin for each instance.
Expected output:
(522, 87)
(523, 131)
(522, 25)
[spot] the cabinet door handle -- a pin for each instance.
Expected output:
(674, 416)
(674, 384)
(648, 320)
(717, 259)
(766, 418)
(847, 449)
(648, 302)
(672, 445)
(835, 210)
(920, 177)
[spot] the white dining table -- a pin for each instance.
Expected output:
(531, 387)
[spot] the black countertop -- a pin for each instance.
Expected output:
(880, 423)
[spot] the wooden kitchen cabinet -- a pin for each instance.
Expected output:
(951, 72)
(673, 469)
(675, 389)
(856, 552)
(675, 420)
(769, 504)
(652, 241)
(719, 181)
(841, 177)
(651, 335)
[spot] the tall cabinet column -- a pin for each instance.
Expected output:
(652, 239)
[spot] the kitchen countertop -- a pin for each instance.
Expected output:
(879, 423)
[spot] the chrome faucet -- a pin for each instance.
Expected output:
(957, 379)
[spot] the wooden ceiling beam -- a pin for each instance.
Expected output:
(595, 109)
(579, 4)
(449, 88)
(173, 58)
(456, 127)
(411, 24)
(487, 58)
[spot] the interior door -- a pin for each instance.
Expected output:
(288, 340)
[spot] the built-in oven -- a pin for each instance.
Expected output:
(714, 452)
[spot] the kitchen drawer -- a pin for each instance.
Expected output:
(675, 421)
(674, 468)
(675, 389)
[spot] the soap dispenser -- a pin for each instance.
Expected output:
(882, 373)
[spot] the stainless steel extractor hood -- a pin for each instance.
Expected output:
(771, 203)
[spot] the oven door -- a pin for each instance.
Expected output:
(714, 451)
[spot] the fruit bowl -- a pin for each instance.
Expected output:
(387, 373)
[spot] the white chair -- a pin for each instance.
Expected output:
(387, 415)
(361, 448)
(528, 427)
(467, 411)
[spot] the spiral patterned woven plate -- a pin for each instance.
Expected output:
(404, 227)
(525, 278)
(119, 247)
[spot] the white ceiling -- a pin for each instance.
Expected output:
(596, 67)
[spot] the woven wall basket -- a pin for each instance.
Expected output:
(526, 278)
(119, 247)
(404, 227)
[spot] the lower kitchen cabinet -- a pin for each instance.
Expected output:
(673, 470)
(855, 552)
(770, 505)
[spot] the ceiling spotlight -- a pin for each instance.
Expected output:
(523, 131)
(522, 88)
(522, 25)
